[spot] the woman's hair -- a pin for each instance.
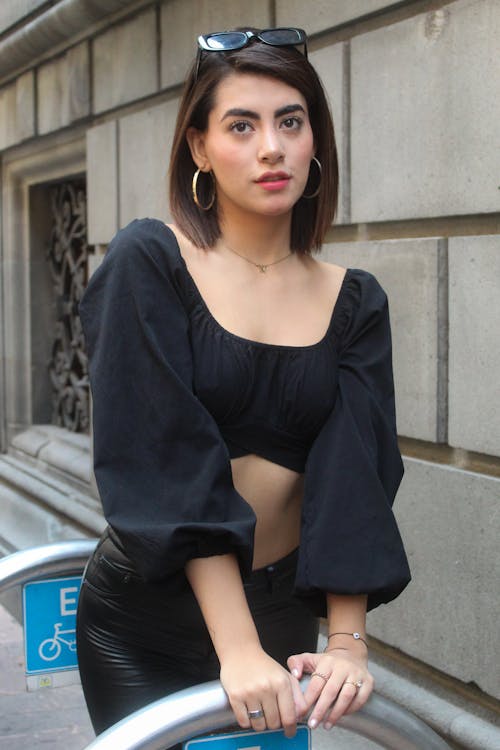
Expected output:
(311, 217)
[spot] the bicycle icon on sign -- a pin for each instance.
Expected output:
(50, 648)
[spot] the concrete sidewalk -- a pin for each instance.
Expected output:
(56, 718)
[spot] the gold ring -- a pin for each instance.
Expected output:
(323, 676)
(357, 684)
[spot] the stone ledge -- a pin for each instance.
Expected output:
(452, 722)
(52, 494)
(56, 448)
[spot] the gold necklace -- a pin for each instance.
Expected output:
(261, 266)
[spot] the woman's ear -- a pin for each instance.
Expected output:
(196, 142)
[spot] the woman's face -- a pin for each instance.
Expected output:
(258, 143)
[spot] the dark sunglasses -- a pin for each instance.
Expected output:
(225, 41)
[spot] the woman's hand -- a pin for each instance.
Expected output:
(340, 683)
(254, 682)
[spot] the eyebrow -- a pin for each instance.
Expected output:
(238, 112)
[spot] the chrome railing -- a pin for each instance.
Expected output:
(204, 708)
(60, 558)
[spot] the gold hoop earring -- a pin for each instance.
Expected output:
(194, 187)
(316, 192)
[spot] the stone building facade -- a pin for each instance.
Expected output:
(88, 98)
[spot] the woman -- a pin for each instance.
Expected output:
(244, 428)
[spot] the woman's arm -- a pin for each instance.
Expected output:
(150, 429)
(344, 663)
(250, 677)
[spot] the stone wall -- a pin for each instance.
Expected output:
(414, 93)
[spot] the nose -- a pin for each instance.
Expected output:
(270, 147)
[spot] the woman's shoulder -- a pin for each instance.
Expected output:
(145, 237)
(359, 277)
(142, 259)
(352, 287)
(361, 301)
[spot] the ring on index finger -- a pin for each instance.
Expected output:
(257, 714)
(323, 676)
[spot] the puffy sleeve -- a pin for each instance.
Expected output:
(161, 466)
(350, 542)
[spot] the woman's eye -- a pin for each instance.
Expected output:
(240, 127)
(292, 123)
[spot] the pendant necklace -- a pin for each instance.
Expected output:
(261, 266)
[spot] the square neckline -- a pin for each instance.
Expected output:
(252, 342)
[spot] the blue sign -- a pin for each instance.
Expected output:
(50, 624)
(273, 739)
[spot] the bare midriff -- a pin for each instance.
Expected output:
(275, 494)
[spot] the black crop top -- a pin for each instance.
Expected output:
(267, 399)
(175, 396)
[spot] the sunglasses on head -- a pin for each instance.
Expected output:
(225, 41)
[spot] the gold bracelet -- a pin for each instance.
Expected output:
(356, 637)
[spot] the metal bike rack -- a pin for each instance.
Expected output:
(204, 708)
(60, 558)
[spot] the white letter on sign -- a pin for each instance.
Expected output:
(68, 603)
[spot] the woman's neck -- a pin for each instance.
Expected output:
(262, 240)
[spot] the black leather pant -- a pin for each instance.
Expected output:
(139, 641)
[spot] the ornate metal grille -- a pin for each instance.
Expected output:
(67, 255)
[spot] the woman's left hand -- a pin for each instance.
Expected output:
(340, 683)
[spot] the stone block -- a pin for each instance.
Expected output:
(474, 411)
(16, 344)
(145, 143)
(125, 62)
(63, 89)
(18, 383)
(425, 113)
(102, 182)
(182, 22)
(77, 440)
(95, 259)
(17, 111)
(319, 15)
(447, 616)
(67, 458)
(11, 11)
(408, 271)
(31, 441)
(329, 63)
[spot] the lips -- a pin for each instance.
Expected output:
(273, 182)
(273, 177)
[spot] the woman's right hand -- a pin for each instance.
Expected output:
(253, 680)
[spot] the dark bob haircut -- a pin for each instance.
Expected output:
(310, 217)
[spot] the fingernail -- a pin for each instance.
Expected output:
(313, 723)
(295, 672)
(328, 725)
